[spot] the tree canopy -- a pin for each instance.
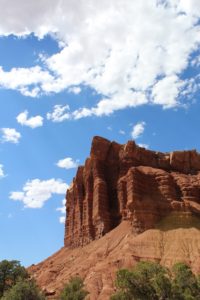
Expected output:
(10, 273)
(15, 282)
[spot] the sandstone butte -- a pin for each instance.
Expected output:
(124, 205)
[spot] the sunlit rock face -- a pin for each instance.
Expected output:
(127, 182)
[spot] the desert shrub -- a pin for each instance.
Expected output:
(151, 281)
(23, 290)
(147, 280)
(74, 290)
(185, 285)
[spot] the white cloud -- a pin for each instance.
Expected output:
(75, 90)
(62, 209)
(107, 106)
(36, 192)
(32, 122)
(1, 172)
(192, 7)
(196, 61)
(143, 146)
(138, 130)
(60, 113)
(107, 48)
(10, 135)
(30, 82)
(122, 132)
(67, 163)
(166, 91)
(62, 219)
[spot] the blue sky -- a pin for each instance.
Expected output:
(71, 70)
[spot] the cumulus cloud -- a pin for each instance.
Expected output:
(36, 192)
(32, 122)
(138, 130)
(10, 135)
(165, 92)
(1, 172)
(30, 82)
(106, 47)
(105, 107)
(67, 163)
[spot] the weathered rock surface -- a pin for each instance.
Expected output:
(126, 182)
(98, 261)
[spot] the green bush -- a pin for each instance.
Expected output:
(151, 281)
(23, 290)
(15, 283)
(74, 290)
(185, 285)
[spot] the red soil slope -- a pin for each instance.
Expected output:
(98, 261)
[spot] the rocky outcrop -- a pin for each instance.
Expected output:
(126, 182)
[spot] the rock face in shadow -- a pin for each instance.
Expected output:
(126, 182)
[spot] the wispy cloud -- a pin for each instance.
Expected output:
(122, 132)
(62, 209)
(60, 113)
(143, 146)
(2, 174)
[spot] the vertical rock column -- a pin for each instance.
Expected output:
(101, 216)
(87, 223)
(74, 211)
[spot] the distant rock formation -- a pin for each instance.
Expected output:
(127, 182)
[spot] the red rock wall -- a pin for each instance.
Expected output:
(121, 182)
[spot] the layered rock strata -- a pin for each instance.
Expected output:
(126, 182)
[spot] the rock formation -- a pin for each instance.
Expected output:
(126, 204)
(126, 182)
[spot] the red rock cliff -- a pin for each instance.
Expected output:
(126, 182)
